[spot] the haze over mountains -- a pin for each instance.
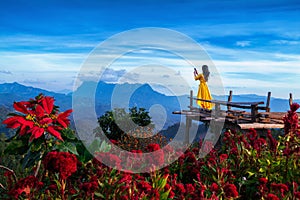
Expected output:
(143, 96)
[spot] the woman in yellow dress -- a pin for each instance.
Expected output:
(203, 91)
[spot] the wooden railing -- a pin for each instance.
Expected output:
(253, 106)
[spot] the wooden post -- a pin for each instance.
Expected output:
(291, 99)
(191, 99)
(188, 121)
(217, 110)
(268, 102)
(229, 99)
(253, 113)
(187, 130)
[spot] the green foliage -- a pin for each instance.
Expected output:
(117, 122)
(70, 142)
(16, 147)
(99, 146)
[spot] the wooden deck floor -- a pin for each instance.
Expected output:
(266, 120)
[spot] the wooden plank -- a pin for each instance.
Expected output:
(244, 105)
(177, 112)
(260, 126)
(231, 103)
(264, 114)
(277, 121)
(235, 111)
(230, 120)
(193, 111)
(192, 114)
(264, 120)
(199, 109)
(232, 116)
(277, 115)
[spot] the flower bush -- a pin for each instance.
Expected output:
(139, 139)
(38, 116)
(244, 166)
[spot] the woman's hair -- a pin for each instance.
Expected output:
(205, 72)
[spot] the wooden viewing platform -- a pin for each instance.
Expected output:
(257, 114)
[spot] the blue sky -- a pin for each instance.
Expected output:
(253, 44)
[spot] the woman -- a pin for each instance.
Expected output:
(203, 91)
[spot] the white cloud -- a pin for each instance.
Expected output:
(281, 28)
(108, 75)
(18, 61)
(57, 71)
(243, 43)
(6, 72)
(48, 43)
(285, 42)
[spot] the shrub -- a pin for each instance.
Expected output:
(117, 122)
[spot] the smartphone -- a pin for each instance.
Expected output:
(195, 70)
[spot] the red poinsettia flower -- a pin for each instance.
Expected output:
(20, 107)
(48, 104)
(62, 118)
(38, 116)
(53, 131)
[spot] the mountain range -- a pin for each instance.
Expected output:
(143, 96)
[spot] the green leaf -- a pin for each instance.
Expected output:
(97, 194)
(71, 148)
(94, 146)
(165, 195)
(67, 147)
(262, 170)
(248, 152)
(105, 147)
(30, 158)
(84, 155)
(37, 144)
(214, 178)
(69, 134)
(250, 173)
(162, 182)
(16, 147)
(277, 163)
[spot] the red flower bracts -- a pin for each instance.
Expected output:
(62, 162)
(26, 186)
(38, 116)
(291, 119)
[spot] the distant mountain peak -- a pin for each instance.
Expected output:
(18, 88)
(146, 86)
(14, 84)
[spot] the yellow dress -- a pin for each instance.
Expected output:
(203, 93)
